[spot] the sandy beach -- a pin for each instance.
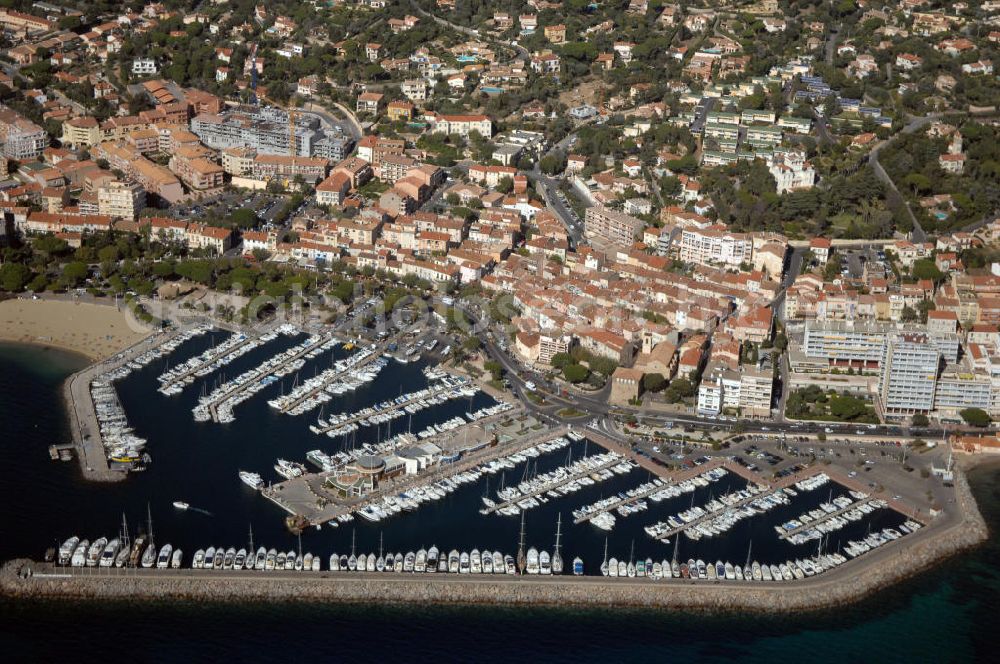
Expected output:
(97, 331)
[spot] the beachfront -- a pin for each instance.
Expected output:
(95, 330)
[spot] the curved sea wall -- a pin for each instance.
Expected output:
(27, 579)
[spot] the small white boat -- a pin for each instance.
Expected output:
(181, 505)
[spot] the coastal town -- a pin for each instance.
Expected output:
(743, 249)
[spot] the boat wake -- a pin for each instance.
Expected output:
(200, 511)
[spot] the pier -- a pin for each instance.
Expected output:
(253, 376)
(554, 485)
(824, 519)
(292, 405)
(84, 424)
(222, 351)
(623, 501)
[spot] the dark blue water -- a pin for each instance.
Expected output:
(948, 614)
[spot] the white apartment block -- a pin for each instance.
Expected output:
(144, 66)
(712, 246)
(550, 345)
(22, 139)
(415, 89)
(909, 374)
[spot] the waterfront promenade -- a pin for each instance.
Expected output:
(957, 530)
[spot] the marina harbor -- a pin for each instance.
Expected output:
(348, 459)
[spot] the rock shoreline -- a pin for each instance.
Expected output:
(28, 580)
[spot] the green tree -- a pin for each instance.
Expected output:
(653, 382)
(74, 273)
(561, 360)
(847, 407)
(976, 417)
(603, 365)
(575, 373)
(108, 254)
(920, 420)
(14, 277)
(680, 388)
(495, 369)
(926, 269)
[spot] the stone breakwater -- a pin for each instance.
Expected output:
(26, 579)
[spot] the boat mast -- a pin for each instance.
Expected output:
(353, 533)
(605, 563)
(749, 547)
(556, 556)
(522, 561)
(126, 543)
(149, 523)
(677, 543)
(558, 532)
(251, 538)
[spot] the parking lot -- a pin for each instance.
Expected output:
(852, 262)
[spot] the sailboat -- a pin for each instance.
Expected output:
(251, 557)
(522, 561)
(604, 563)
(149, 557)
(557, 561)
(352, 562)
(123, 553)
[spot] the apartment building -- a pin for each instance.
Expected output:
(463, 125)
(791, 171)
(269, 166)
(756, 387)
(83, 131)
(910, 368)
(21, 138)
(265, 129)
(959, 387)
(154, 178)
(334, 189)
(605, 224)
(195, 170)
(551, 344)
(121, 199)
(715, 246)
(414, 89)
